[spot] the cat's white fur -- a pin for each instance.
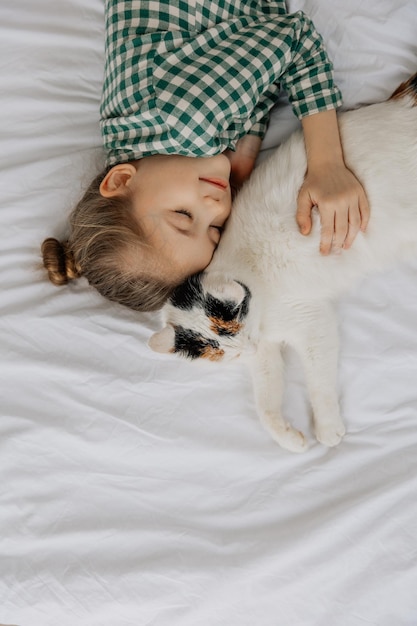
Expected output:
(293, 287)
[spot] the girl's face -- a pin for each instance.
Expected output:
(182, 204)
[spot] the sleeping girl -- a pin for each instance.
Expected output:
(187, 94)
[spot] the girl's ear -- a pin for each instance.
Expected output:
(117, 180)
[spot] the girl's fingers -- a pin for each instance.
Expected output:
(365, 211)
(354, 228)
(327, 230)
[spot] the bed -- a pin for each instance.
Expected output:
(139, 489)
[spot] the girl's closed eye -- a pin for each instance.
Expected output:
(189, 214)
(187, 221)
(183, 220)
(184, 212)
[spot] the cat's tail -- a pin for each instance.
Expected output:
(408, 90)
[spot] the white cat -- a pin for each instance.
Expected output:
(267, 284)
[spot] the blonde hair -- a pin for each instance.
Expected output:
(102, 230)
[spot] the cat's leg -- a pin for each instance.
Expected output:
(267, 375)
(318, 346)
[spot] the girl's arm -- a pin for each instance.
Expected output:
(243, 160)
(330, 186)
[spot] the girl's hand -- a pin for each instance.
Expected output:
(341, 202)
(330, 186)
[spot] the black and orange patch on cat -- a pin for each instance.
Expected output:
(193, 345)
(222, 327)
(212, 354)
(225, 318)
(226, 311)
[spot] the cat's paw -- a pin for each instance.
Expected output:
(330, 434)
(282, 432)
(291, 439)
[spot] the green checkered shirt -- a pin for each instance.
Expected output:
(191, 77)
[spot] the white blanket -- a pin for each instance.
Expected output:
(138, 489)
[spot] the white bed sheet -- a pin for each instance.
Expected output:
(141, 490)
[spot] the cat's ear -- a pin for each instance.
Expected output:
(225, 299)
(224, 289)
(163, 341)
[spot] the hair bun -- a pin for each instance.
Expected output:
(59, 261)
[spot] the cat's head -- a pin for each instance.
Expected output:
(205, 318)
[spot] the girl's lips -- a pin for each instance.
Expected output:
(220, 183)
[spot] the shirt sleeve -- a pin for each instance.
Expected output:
(308, 78)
